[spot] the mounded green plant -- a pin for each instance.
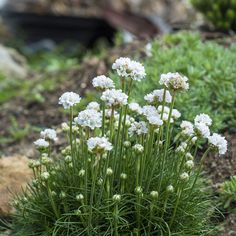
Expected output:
(211, 70)
(123, 173)
(221, 13)
(228, 194)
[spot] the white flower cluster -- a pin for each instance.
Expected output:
(69, 99)
(93, 106)
(49, 134)
(158, 96)
(174, 81)
(135, 107)
(187, 128)
(41, 143)
(113, 97)
(127, 68)
(218, 142)
(102, 82)
(99, 144)
(138, 128)
(89, 118)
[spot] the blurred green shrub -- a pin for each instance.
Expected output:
(211, 69)
(221, 13)
(228, 194)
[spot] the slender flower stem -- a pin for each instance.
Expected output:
(116, 214)
(166, 142)
(199, 168)
(103, 118)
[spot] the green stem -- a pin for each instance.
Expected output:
(116, 213)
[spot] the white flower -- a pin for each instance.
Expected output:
(69, 99)
(41, 143)
(99, 144)
(138, 128)
(93, 106)
(175, 114)
(219, 142)
(89, 118)
(170, 189)
(149, 110)
(203, 118)
(49, 134)
(65, 126)
(114, 97)
(138, 148)
(135, 107)
(109, 171)
(202, 130)
(158, 96)
(165, 109)
(187, 128)
(103, 82)
(155, 120)
(128, 68)
(174, 81)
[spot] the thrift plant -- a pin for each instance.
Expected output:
(123, 172)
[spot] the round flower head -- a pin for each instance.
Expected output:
(102, 82)
(45, 175)
(116, 198)
(69, 99)
(138, 148)
(138, 128)
(155, 120)
(135, 107)
(184, 176)
(174, 81)
(203, 118)
(149, 110)
(175, 114)
(157, 96)
(113, 97)
(99, 144)
(187, 128)
(89, 118)
(218, 142)
(93, 106)
(41, 143)
(202, 130)
(49, 134)
(129, 69)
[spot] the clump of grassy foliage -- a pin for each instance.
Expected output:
(123, 172)
(220, 13)
(211, 68)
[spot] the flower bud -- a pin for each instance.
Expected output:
(109, 171)
(189, 156)
(184, 176)
(116, 198)
(100, 181)
(154, 195)
(65, 126)
(189, 165)
(138, 148)
(54, 193)
(138, 190)
(68, 159)
(78, 212)
(70, 165)
(81, 173)
(123, 176)
(79, 197)
(45, 175)
(62, 195)
(170, 189)
(127, 144)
